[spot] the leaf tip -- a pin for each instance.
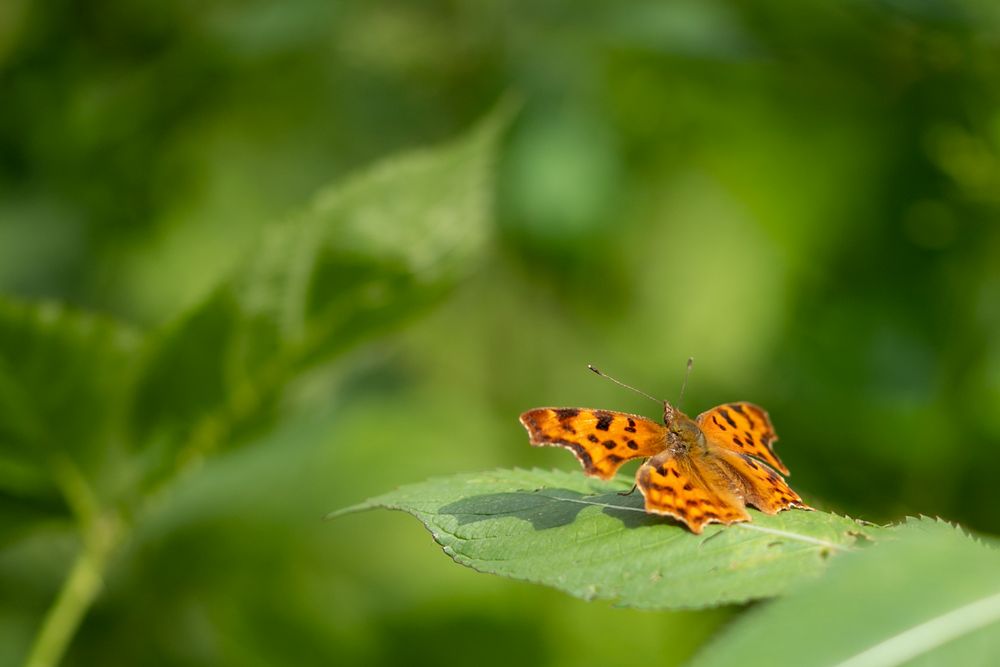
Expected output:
(344, 511)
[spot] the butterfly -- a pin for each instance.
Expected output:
(698, 471)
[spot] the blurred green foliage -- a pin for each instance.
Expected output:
(802, 196)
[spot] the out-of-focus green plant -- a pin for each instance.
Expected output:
(103, 417)
(803, 196)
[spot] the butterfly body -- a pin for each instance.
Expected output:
(698, 471)
(683, 434)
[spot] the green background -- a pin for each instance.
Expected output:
(805, 197)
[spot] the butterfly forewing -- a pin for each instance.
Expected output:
(742, 427)
(602, 440)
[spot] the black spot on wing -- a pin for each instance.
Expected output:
(604, 420)
(758, 412)
(566, 413)
(725, 415)
(739, 408)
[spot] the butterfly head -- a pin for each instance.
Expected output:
(669, 413)
(683, 430)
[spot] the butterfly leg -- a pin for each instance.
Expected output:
(628, 493)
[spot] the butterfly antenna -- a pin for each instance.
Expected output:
(622, 384)
(685, 383)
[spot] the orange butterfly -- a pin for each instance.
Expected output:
(703, 470)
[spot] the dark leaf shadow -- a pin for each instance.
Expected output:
(542, 507)
(550, 508)
(631, 512)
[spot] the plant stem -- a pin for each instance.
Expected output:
(77, 594)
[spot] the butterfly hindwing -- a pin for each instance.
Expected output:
(601, 439)
(742, 427)
(757, 484)
(680, 487)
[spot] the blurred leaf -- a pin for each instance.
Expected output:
(363, 258)
(930, 596)
(578, 535)
(63, 378)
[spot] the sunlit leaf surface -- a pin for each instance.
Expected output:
(563, 530)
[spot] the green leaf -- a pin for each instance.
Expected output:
(63, 378)
(925, 595)
(366, 256)
(564, 530)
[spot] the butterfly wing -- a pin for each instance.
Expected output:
(744, 428)
(756, 483)
(602, 440)
(684, 488)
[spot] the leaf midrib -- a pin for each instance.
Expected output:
(748, 526)
(807, 539)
